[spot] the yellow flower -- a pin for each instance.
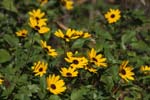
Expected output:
(90, 69)
(39, 68)
(48, 49)
(125, 72)
(22, 33)
(37, 14)
(86, 35)
(145, 69)
(68, 4)
(68, 36)
(55, 85)
(42, 2)
(38, 25)
(113, 15)
(70, 72)
(76, 62)
(98, 60)
(82, 34)
(1, 81)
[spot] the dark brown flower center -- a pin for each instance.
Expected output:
(66, 36)
(112, 16)
(37, 18)
(37, 28)
(123, 72)
(46, 49)
(69, 74)
(94, 59)
(63, 2)
(53, 86)
(75, 61)
(41, 69)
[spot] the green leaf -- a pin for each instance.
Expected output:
(9, 5)
(78, 93)
(4, 56)
(108, 82)
(11, 40)
(140, 45)
(54, 97)
(78, 43)
(127, 37)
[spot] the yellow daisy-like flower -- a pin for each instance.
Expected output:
(98, 60)
(68, 36)
(76, 62)
(37, 14)
(43, 2)
(70, 72)
(38, 25)
(48, 49)
(90, 69)
(113, 15)
(145, 69)
(86, 35)
(39, 68)
(1, 81)
(82, 34)
(68, 4)
(55, 85)
(22, 33)
(125, 72)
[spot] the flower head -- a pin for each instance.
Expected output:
(68, 4)
(39, 68)
(55, 85)
(76, 62)
(125, 72)
(39, 26)
(97, 59)
(43, 2)
(36, 14)
(70, 72)
(113, 15)
(51, 52)
(22, 33)
(1, 81)
(68, 36)
(90, 69)
(145, 69)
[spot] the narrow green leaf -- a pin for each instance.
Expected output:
(11, 40)
(78, 43)
(4, 56)
(9, 5)
(54, 97)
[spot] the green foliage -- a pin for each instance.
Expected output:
(126, 39)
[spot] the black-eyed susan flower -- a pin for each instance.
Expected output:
(43, 2)
(39, 68)
(90, 69)
(66, 36)
(69, 72)
(55, 85)
(113, 15)
(68, 4)
(82, 34)
(76, 62)
(125, 72)
(36, 14)
(145, 69)
(1, 81)
(50, 51)
(39, 26)
(97, 59)
(22, 33)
